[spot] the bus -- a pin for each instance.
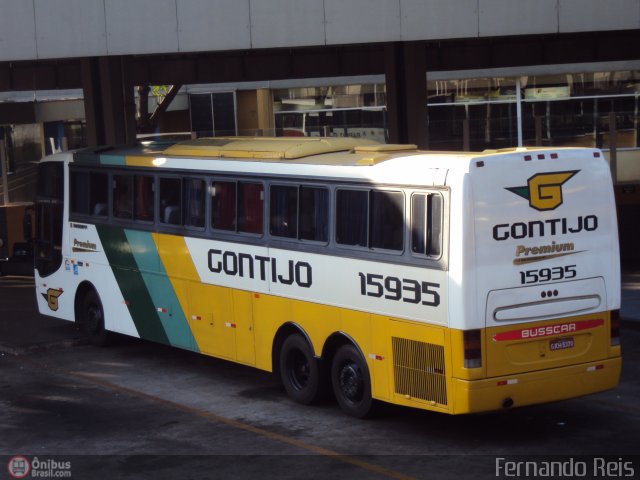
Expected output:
(451, 282)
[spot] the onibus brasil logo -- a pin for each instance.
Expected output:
(21, 467)
(544, 190)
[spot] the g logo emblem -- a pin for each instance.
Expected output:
(52, 298)
(544, 190)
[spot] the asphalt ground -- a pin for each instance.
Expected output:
(142, 410)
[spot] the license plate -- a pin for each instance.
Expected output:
(561, 343)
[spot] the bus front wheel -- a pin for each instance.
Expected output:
(351, 382)
(299, 370)
(92, 319)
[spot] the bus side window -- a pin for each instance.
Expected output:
(314, 214)
(352, 214)
(171, 201)
(283, 206)
(223, 206)
(370, 218)
(123, 196)
(144, 198)
(79, 193)
(98, 194)
(387, 220)
(194, 190)
(250, 207)
(426, 224)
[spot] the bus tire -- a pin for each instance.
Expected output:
(92, 319)
(351, 382)
(299, 370)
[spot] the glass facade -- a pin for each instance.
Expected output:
(478, 113)
(559, 110)
(335, 111)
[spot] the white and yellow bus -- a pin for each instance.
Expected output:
(453, 282)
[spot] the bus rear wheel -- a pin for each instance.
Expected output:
(351, 382)
(299, 370)
(92, 319)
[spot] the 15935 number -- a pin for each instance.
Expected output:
(394, 288)
(548, 274)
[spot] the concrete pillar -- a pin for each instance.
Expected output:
(109, 101)
(92, 102)
(406, 80)
(266, 121)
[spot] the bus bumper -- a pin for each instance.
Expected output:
(472, 396)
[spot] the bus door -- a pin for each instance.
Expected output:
(49, 217)
(547, 254)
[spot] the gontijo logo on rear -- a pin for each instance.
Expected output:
(544, 190)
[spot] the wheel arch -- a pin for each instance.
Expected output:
(335, 341)
(285, 330)
(82, 290)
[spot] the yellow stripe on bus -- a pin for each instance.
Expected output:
(220, 319)
(139, 161)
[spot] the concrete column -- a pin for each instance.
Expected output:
(109, 101)
(4, 164)
(406, 80)
(92, 102)
(266, 121)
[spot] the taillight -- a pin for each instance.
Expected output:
(472, 343)
(615, 327)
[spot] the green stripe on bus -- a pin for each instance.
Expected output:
(159, 287)
(133, 288)
(112, 160)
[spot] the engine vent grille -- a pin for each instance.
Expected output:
(419, 370)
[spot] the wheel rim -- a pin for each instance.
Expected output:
(351, 382)
(299, 369)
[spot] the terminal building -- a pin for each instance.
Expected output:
(441, 74)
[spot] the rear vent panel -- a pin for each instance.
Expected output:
(419, 370)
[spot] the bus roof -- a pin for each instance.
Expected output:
(267, 148)
(261, 154)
